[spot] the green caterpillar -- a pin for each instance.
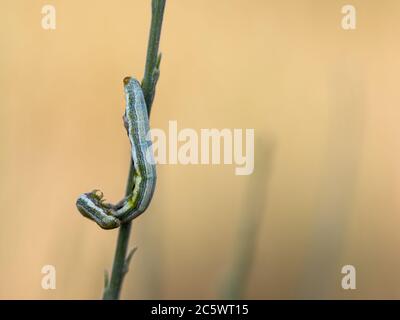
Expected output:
(92, 205)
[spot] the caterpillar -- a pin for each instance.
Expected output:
(92, 204)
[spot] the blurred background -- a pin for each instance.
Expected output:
(324, 103)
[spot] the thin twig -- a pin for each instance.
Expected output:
(149, 82)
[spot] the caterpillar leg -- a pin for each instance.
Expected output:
(126, 125)
(126, 209)
(91, 205)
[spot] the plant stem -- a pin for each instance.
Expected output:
(153, 59)
(120, 265)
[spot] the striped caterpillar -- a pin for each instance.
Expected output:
(92, 205)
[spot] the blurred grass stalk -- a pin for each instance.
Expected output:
(336, 199)
(235, 283)
(121, 259)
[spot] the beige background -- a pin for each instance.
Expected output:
(324, 104)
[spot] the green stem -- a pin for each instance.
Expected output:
(112, 291)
